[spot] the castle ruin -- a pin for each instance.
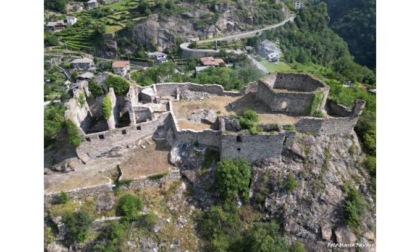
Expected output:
(202, 114)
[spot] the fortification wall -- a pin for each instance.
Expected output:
(297, 82)
(204, 137)
(164, 89)
(251, 147)
(338, 110)
(332, 125)
(78, 114)
(96, 144)
(327, 126)
(79, 193)
(293, 103)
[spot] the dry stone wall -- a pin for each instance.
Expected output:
(150, 182)
(79, 193)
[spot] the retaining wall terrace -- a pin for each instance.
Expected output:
(96, 144)
(79, 193)
(149, 182)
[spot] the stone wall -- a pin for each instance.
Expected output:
(78, 114)
(170, 89)
(326, 126)
(142, 114)
(80, 193)
(96, 144)
(332, 125)
(297, 82)
(114, 108)
(338, 110)
(293, 103)
(251, 147)
(149, 182)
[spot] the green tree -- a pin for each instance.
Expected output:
(233, 178)
(73, 134)
(77, 225)
(106, 107)
(56, 5)
(95, 89)
(119, 84)
(128, 207)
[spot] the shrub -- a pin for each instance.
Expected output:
(63, 198)
(119, 84)
(354, 206)
(291, 183)
(232, 178)
(77, 225)
(129, 206)
(72, 133)
(289, 127)
(106, 107)
(95, 89)
(149, 221)
(81, 99)
(297, 246)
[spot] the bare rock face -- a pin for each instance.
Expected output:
(151, 35)
(55, 247)
(313, 212)
(105, 202)
(326, 233)
(344, 235)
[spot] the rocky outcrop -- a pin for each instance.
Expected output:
(313, 212)
(152, 35)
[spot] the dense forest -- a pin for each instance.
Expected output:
(310, 40)
(355, 22)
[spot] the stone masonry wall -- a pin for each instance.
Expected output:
(80, 193)
(150, 182)
(331, 125)
(94, 146)
(327, 126)
(297, 82)
(164, 89)
(251, 147)
(338, 110)
(79, 115)
(293, 103)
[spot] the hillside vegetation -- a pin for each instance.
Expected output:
(355, 22)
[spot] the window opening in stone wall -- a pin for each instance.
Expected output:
(88, 139)
(239, 149)
(101, 137)
(138, 127)
(124, 132)
(284, 141)
(239, 139)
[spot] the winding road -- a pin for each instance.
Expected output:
(189, 52)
